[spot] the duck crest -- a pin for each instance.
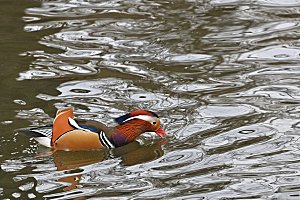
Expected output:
(124, 118)
(128, 131)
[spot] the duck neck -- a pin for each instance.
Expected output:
(129, 131)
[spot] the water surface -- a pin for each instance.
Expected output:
(223, 76)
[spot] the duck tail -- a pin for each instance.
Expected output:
(44, 131)
(41, 134)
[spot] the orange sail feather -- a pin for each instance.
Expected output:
(61, 123)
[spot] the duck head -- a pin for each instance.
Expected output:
(134, 124)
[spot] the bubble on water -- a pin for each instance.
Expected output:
(20, 102)
(189, 58)
(246, 131)
(7, 122)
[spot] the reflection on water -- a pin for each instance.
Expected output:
(223, 76)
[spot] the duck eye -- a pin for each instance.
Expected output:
(154, 123)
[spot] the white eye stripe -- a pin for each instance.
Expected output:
(147, 118)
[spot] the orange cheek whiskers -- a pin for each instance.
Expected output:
(132, 129)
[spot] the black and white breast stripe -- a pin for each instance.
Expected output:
(104, 141)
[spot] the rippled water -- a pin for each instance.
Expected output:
(222, 74)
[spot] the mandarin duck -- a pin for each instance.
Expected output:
(70, 134)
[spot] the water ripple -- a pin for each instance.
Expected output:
(223, 76)
(226, 110)
(259, 30)
(287, 92)
(172, 164)
(272, 53)
(238, 138)
(103, 92)
(260, 2)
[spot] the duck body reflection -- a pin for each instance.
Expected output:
(131, 154)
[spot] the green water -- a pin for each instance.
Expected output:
(223, 76)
